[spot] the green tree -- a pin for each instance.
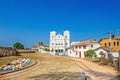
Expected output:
(46, 49)
(40, 43)
(90, 54)
(18, 45)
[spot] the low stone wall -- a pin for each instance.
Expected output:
(25, 51)
(7, 51)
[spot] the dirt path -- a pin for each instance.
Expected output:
(95, 71)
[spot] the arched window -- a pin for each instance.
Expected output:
(105, 44)
(76, 47)
(101, 53)
(79, 47)
(84, 46)
(92, 46)
(109, 43)
(114, 43)
(117, 43)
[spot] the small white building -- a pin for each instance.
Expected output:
(102, 50)
(35, 48)
(40, 48)
(59, 43)
(78, 50)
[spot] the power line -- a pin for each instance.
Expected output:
(118, 32)
(96, 36)
(102, 34)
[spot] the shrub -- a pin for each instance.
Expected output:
(103, 63)
(90, 54)
(46, 49)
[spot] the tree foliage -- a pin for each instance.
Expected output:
(40, 43)
(90, 54)
(46, 49)
(18, 45)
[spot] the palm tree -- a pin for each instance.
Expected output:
(40, 43)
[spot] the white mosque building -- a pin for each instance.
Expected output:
(59, 43)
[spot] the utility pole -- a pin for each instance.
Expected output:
(119, 53)
(110, 54)
(110, 37)
(110, 42)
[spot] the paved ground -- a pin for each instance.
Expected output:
(51, 67)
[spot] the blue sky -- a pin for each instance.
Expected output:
(30, 21)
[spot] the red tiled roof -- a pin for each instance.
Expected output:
(35, 46)
(82, 43)
(85, 42)
(105, 48)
